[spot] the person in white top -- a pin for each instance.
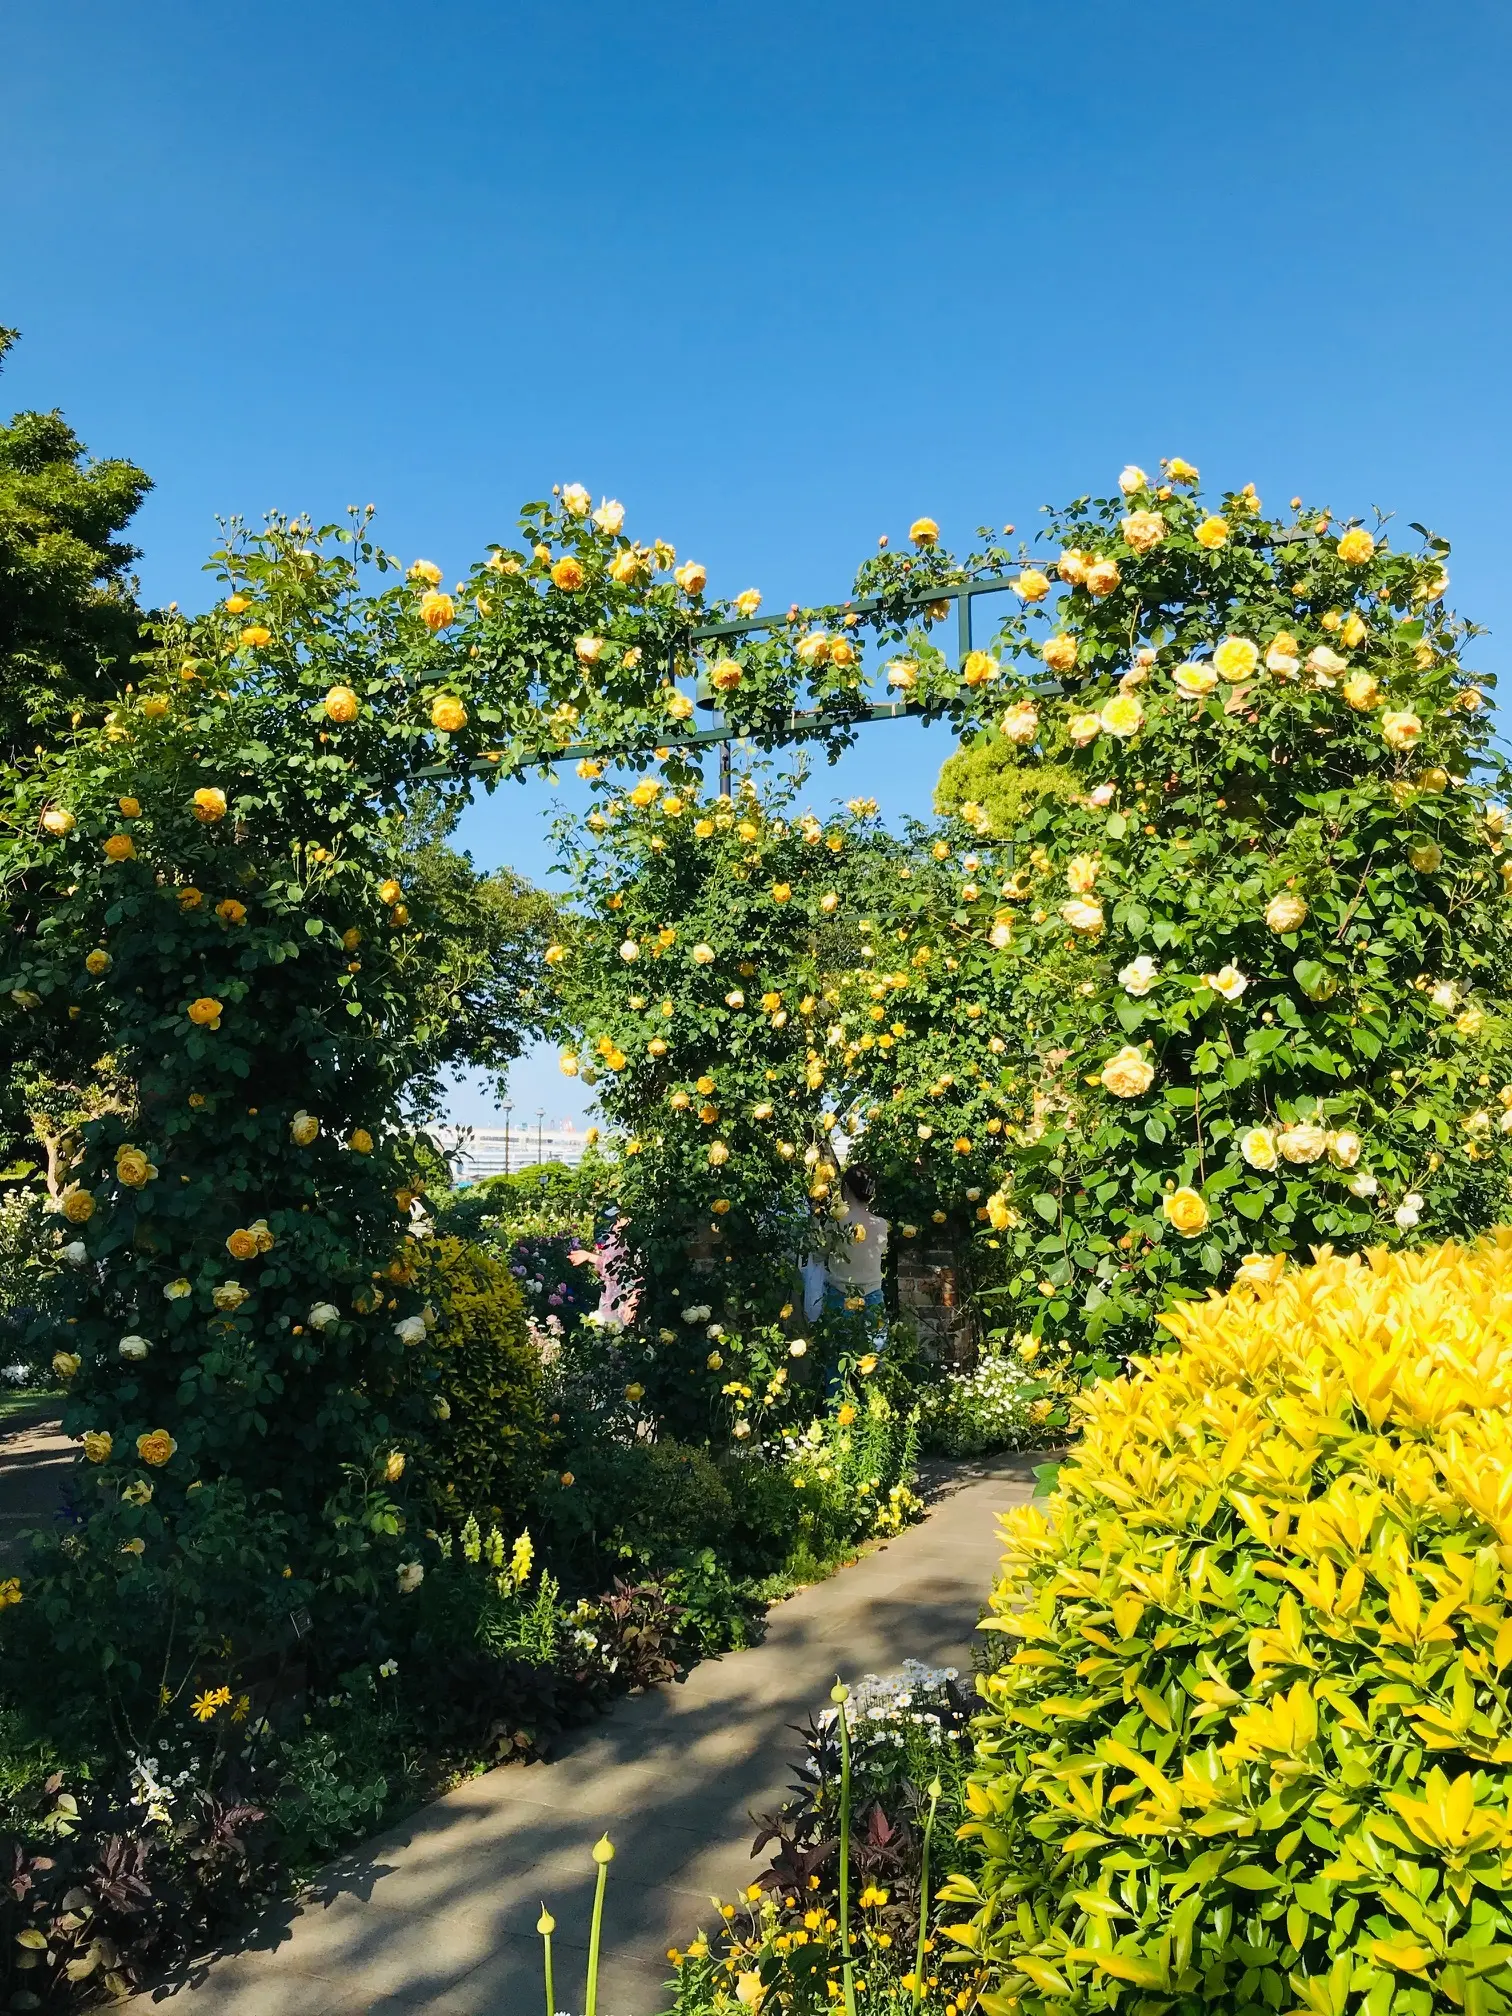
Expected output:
(853, 1278)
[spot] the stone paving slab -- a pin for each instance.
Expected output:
(439, 1913)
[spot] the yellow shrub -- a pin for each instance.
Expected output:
(1252, 1746)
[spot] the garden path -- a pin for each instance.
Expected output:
(438, 1914)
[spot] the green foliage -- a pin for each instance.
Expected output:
(988, 784)
(1248, 1748)
(487, 1451)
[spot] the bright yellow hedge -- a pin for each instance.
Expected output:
(1253, 1746)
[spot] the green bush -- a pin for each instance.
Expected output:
(488, 1452)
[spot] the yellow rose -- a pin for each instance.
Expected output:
(393, 1468)
(206, 1012)
(241, 1244)
(303, 1128)
(1284, 655)
(1235, 659)
(1143, 530)
(781, 892)
(230, 911)
(389, 891)
(691, 577)
(97, 1445)
(120, 847)
(575, 499)
(255, 636)
(1258, 1147)
(1072, 565)
(1180, 471)
(237, 605)
(209, 804)
(96, 962)
(1261, 1270)
(154, 706)
(131, 808)
(426, 571)
(1084, 728)
(1186, 1212)
(1122, 716)
(924, 532)
(1285, 913)
(1082, 871)
(625, 569)
(77, 1206)
(361, 1141)
(66, 1363)
(1302, 1143)
(842, 652)
(1212, 533)
(748, 601)
(1031, 585)
(725, 676)
(679, 706)
(829, 902)
(157, 1447)
(132, 1168)
(1193, 681)
(1362, 692)
(1353, 633)
(1401, 728)
(568, 574)
(980, 668)
(1127, 1073)
(813, 649)
(448, 713)
(190, 898)
(1101, 578)
(437, 611)
(1426, 857)
(1356, 547)
(1059, 653)
(341, 704)
(1020, 724)
(702, 955)
(229, 1296)
(568, 1064)
(58, 821)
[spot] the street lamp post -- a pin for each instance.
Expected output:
(508, 1109)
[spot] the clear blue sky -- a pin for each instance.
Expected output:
(781, 278)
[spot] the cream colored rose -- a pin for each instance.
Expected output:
(1285, 912)
(1326, 665)
(1401, 728)
(1132, 478)
(1143, 530)
(1072, 565)
(1258, 1147)
(1128, 1073)
(1083, 916)
(1283, 655)
(575, 499)
(903, 673)
(703, 955)
(1193, 681)
(1302, 1142)
(1059, 653)
(1344, 1148)
(1020, 724)
(1101, 578)
(1235, 659)
(1427, 857)
(1139, 976)
(610, 516)
(1228, 982)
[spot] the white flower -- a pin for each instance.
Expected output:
(629, 951)
(175, 1291)
(1409, 1211)
(1103, 795)
(411, 1574)
(76, 1252)
(410, 1330)
(742, 1429)
(1132, 478)
(798, 1347)
(323, 1315)
(1139, 976)
(1000, 937)
(715, 1331)
(1083, 916)
(1302, 1142)
(1445, 996)
(703, 955)
(575, 499)
(1362, 1183)
(388, 1669)
(697, 1312)
(1344, 1148)
(610, 516)
(133, 1348)
(1227, 981)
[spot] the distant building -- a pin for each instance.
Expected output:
(475, 1152)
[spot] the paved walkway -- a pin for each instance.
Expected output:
(35, 1459)
(439, 1914)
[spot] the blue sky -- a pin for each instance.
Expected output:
(779, 278)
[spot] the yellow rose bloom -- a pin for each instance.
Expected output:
(361, 1141)
(1235, 659)
(1143, 530)
(725, 676)
(924, 532)
(97, 1445)
(691, 577)
(679, 706)
(96, 962)
(1212, 533)
(1101, 578)
(1180, 471)
(426, 571)
(1356, 547)
(1031, 585)
(132, 1168)
(255, 636)
(1258, 1147)
(448, 713)
(1059, 653)
(1193, 681)
(1186, 1212)
(242, 1244)
(341, 705)
(1127, 1073)
(568, 574)
(389, 891)
(748, 601)
(206, 1012)
(58, 821)
(120, 847)
(157, 1447)
(77, 1206)
(190, 898)
(1426, 857)
(437, 611)
(209, 804)
(1401, 728)
(980, 668)
(1084, 728)
(1122, 716)
(1285, 913)
(66, 1363)
(1020, 724)
(1083, 916)
(781, 892)
(236, 605)
(154, 707)
(231, 912)
(131, 808)
(303, 1129)
(1361, 692)
(1353, 632)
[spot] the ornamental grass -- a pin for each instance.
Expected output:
(1250, 1747)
